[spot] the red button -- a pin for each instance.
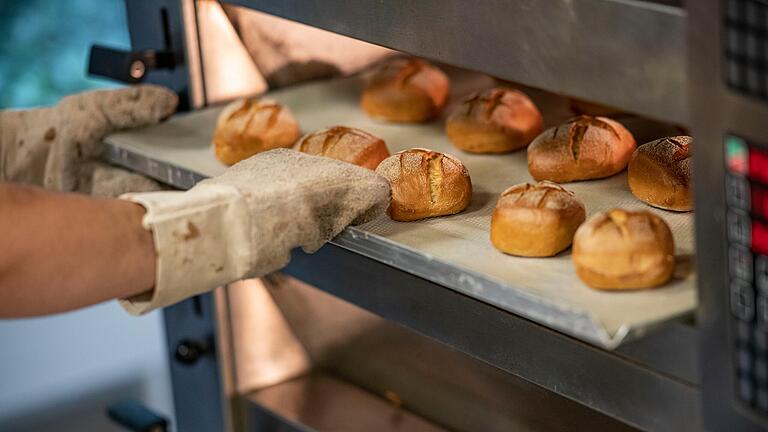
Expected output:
(760, 201)
(759, 237)
(758, 165)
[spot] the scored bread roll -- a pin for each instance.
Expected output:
(496, 120)
(622, 249)
(584, 148)
(345, 144)
(535, 220)
(405, 90)
(249, 126)
(425, 184)
(659, 173)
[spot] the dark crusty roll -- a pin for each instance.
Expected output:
(406, 90)
(535, 220)
(659, 173)
(249, 126)
(621, 249)
(582, 149)
(346, 144)
(496, 120)
(425, 184)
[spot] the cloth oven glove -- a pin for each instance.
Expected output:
(59, 147)
(245, 222)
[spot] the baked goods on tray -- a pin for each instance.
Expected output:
(495, 120)
(535, 220)
(252, 125)
(659, 173)
(346, 144)
(425, 183)
(406, 91)
(621, 249)
(584, 148)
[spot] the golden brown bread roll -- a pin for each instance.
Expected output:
(584, 148)
(659, 173)
(345, 144)
(535, 220)
(496, 120)
(406, 90)
(622, 249)
(249, 126)
(425, 184)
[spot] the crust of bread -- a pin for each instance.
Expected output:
(425, 184)
(249, 126)
(495, 120)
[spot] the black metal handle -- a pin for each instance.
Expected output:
(136, 417)
(189, 351)
(127, 66)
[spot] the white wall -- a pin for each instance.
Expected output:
(58, 373)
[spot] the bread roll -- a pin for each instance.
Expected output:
(249, 126)
(535, 220)
(582, 149)
(622, 249)
(345, 144)
(406, 90)
(660, 173)
(496, 120)
(425, 184)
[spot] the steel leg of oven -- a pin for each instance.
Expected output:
(190, 328)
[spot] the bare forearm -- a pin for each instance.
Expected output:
(64, 251)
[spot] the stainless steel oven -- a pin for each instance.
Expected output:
(418, 343)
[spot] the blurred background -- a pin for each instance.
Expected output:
(59, 373)
(45, 47)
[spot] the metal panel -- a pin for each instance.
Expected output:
(601, 380)
(623, 53)
(714, 112)
(657, 374)
(155, 24)
(197, 395)
(324, 403)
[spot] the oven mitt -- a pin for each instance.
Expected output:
(60, 147)
(245, 222)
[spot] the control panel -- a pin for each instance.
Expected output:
(745, 39)
(747, 223)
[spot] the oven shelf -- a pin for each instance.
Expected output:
(453, 252)
(587, 48)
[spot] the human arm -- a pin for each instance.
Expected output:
(67, 251)
(63, 251)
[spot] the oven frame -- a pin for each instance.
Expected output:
(651, 383)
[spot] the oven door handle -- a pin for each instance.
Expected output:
(128, 66)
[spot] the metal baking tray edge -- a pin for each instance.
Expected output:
(567, 319)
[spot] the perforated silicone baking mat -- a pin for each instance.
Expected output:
(454, 251)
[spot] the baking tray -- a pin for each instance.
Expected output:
(452, 251)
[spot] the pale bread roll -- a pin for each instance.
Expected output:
(535, 220)
(622, 249)
(249, 126)
(406, 91)
(425, 184)
(660, 173)
(584, 148)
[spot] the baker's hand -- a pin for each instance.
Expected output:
(245, 222)
(59, 147)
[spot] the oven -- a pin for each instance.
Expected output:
(377, 331)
